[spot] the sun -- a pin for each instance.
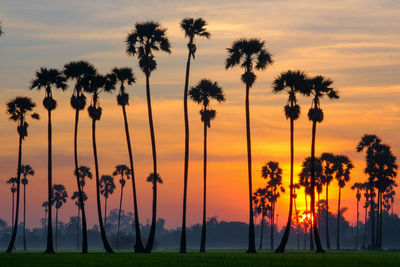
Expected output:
(306, 217)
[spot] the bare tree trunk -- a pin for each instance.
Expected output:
(203, 228)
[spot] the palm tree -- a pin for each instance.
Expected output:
(261, 208)
(95, 85)
(45, 205)
(13, 182)
(76, 195)
(46, 78)
(107, 187)
(359, 187)
(18, 109)
(192, 28)
(26, 170)
(203, 93)
(78, 71)
(296, 186)
(124, 172)
(273, 174)
(291, 82)
(342, 175)
(328, 169)
(125, 75)
(59, 197)
(369, 143)
(320, 87)
(143, 41)
(249, 53)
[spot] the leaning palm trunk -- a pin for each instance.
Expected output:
(23, 232)
(14, 229)
(119, 215)
(313, 221)
(78, 230)
(338, 223)
(285, 238)
(50, 247)
(81, 202)
(328, 245)
(106, 245)
(150, 241)
(252, 242)
(139, 245)
(186, 168)
(105, 215)
(203, 228)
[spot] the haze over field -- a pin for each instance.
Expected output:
(357, 44)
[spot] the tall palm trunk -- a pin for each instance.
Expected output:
(314, 221)
(78, 230)
(272, 226)
(139, 245)
(328, 244)
(262, 230)
(380, 225)
(186, 168)
(14, 229)
(23, 232)
(338, 222)
(298, 225)
(81, 202)
(50, 247)
(12, 210)
(372, 214)
(106, 245)
(203, 228)
(56, 228)
(105, 215)
(358, 217)
(285, 238)
(150, 241)
(252, 241)
(119, 215)
(365, 227)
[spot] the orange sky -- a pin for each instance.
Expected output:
(359, 51)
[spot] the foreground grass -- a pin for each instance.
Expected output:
(212, 258)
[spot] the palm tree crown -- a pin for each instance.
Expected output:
(192, 28)
(17, 109)
(75, 195)
(25, 171)
(83, 173)
(124, 172)
(122, 76)
(107, 185)
(60, 195)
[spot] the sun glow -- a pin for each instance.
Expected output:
(306, 217)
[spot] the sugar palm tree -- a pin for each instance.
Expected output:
(46, 79)
(59, 197)
(45, 205)
(125, 75)
(83, 173)
(296, 186)
(107, 187)
(320, 87)
(342, 175)
(76, 196)
(13, 182)
(328, 170)
(78, 71)
(359, 187)
(192, 28)
(146, 39)
(293, 83)
(273, 174)
(125, 174)
(95, 85)
(202, 94)
(249, 54)
(26, 171)
(261, 208)
(19, 109)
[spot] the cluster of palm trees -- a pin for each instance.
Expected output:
(143, 42)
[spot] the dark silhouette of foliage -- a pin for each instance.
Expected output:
(107, 187)
(192, 28)
(249, 54)
(59, 198)
(76, 196)
(83, 173)
(261, 208)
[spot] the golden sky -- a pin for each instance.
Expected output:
(355, 43)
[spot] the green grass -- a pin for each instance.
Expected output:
(212, 258)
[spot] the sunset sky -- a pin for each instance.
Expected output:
(355, 43)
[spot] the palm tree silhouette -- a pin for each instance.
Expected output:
(78, 71)
(125, 75)
(320, 87)
(328, 170)
(273, 174)
(147, 38)
(192, 28)
(343, 168)
(249, 53)
(13, 182)
(18, 109)
(359, 187)
(95, 85)
(124, 172)
(59, 197)
(369, 143)
(46, 78)
(45, 205)
(76, 196)
(296, 186)
(83, 173)
(107, 187)
(202, 94)
(26, 170)
(261, 208)
(291, 82)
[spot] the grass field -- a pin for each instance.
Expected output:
(212, 258)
